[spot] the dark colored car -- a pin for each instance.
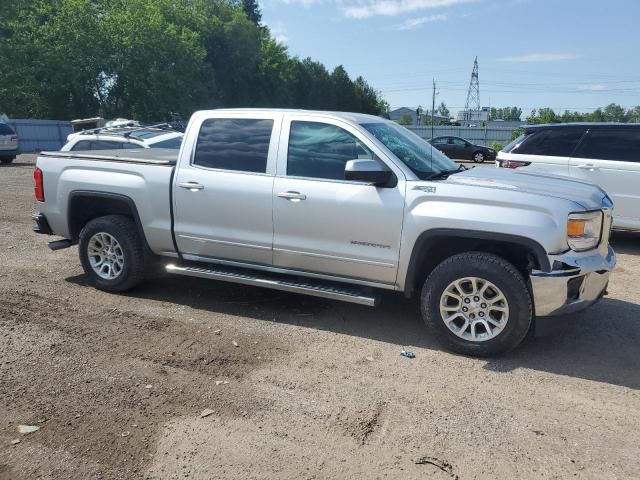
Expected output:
(460, 149)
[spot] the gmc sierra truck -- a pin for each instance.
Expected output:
(340, 206)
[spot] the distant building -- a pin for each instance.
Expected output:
(473, 117)
(398, 113)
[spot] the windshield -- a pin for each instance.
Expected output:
(421, 157)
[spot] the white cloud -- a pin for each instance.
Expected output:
(279, 33)
(592, 87)
(412, 23)
(539, 57)
(371, 8)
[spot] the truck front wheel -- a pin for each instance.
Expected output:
(112, 253)
(477, 304)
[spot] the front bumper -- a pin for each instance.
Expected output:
(580, 282)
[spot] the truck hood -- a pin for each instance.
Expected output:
(587, 195)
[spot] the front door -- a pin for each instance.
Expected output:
(610, 158)
(223, 197)
(325, 224)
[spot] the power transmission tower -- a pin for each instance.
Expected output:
(473, 97)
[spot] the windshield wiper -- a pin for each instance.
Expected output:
(445, 173)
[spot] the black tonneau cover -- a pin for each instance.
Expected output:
(151, 156)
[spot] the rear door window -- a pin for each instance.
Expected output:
(238, 144)
(556, 142)
(611, 144)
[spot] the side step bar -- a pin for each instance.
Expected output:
(316, 288)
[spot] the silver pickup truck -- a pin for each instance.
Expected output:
(340, 206)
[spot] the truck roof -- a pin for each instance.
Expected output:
(349, 116)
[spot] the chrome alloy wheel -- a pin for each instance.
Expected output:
(478, 157)
(105, 256)
(474, 309)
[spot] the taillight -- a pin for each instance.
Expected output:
(38, 185)
(512, 163)
(13, 138)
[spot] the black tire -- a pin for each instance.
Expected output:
(490, 268)
(7, 159)
(481, 155)
(125, 232)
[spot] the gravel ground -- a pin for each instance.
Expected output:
(314, 389)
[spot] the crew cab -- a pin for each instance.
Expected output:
(340, 206)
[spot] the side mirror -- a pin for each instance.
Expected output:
(369, 171)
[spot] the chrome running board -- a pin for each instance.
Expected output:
(307, 286)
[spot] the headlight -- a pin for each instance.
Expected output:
(584, 230)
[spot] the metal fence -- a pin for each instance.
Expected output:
(38, 135)
(477, 135)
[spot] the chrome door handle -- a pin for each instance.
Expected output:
(588, 166)
(293, 196)
(193, 186)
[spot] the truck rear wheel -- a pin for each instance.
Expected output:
(112, 253)
(477, 304)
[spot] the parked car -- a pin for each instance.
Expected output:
(460, 149)
(340, 206)
(607, 154)
(124, 136)
(9, 147)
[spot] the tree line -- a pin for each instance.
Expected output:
(142, 59)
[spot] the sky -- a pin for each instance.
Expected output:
(563, 54)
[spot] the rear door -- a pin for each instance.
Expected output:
(223, 195)
(324, 223)
(610, 158)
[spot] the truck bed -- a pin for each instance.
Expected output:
(152, 156)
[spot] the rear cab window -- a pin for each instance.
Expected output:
(234, 144)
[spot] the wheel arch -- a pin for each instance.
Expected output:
(434, 246)
(86, 205)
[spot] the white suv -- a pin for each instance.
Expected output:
(8, 144)
(128, 136)
(607, 154)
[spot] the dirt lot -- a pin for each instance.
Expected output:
(316, 389)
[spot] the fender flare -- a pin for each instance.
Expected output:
(538, 251)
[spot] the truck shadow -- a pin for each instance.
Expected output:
(626, 242)
(600, 344)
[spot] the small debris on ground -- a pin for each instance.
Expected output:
(217, 332)
(125, 434)
(235, 344)
(436, 462)
(408, 354)
(206, 412)
(219, 382)
(148, 386)
(15, 442)
(26, 429)
(370, 359)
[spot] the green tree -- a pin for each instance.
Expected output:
(406, 119)
(144, 58)
(443, 110)
(505, 113)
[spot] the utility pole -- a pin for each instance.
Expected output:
(433, 105)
